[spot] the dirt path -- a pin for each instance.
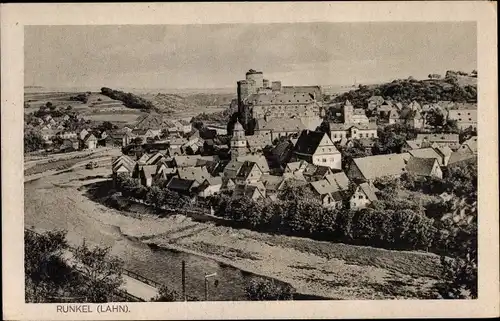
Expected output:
(337, 271)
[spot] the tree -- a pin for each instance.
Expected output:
(69, 108)
(166, 295)
(33, 141)
(435, 118)
(138, 141)
(106, 126)
(49, 105)
(268, 290)
(103, 272)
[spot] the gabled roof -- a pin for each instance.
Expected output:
(199, 174)
(420, 166)
(179, 184)
(368, 126)
(247, 191)
(322, 187)
(338, 180)
(316, 170)
(148, 171)
(460, 156)
(155, 158)
(232, 169)
(368, 191)
(472, 143)
(216, 180)
(211, 165)
(394, 114)
(425, 153)
(444, 151)
(308, 142)
(192, 160)
(339, 126)
(258, 140)
(271, 182)
(439, 137)
(259, 159)
(294, 166)
(372, 167)
(246, 168)
(414, 144)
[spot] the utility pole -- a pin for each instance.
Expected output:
(184, 280)
(206, 284)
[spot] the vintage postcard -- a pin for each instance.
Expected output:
(249, 160)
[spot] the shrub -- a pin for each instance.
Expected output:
(268, 290)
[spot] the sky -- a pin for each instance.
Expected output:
(216, 56)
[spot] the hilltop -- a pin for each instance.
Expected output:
(456, 87)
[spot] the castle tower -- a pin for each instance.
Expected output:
(238, 141)
(348, 111)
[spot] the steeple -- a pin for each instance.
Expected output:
(238, 141)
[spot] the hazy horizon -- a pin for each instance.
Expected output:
(183, 57)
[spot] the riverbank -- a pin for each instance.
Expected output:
(336, 271)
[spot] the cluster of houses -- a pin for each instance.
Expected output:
(310, 161)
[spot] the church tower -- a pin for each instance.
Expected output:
(348, 111)
(238, 141)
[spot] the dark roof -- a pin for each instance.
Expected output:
(308, 141)
(245, 169)
(178, 184)
(420, 166)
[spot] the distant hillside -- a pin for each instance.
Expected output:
(168, 103)
(456, 86)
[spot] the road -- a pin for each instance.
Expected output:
(138, 288)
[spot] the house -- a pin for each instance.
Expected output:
(259, 159)
(338, 131)
(416, 120)
(413, 144)
(198, 174)
(281, 153)
(273, 184)
(83, 133)
(394, 117)
(214, 167)
(466, 118)
(374, 101)
(145, 134)
(363, 195)
(279, 127)
(227, 184)
(339, 180)
(211, 186)
(155, 158)
(250, 191)
(415, 106)
(296, 166)
(458, 158)
(232, 169)
(182, 186)
(249, 172)
(369, 168)
(256, 143)
(445, 153)
(184, 126)
(316, 172)
(177, 142)
(67, 135)
(450, 140)
(427, 153)
(326, 193)
(317, 148)
(469, 146)
(365, 143)
(147, 174)
(90, 142)
(189, 161)
(426, 167)
(70, 144)
(47, 135)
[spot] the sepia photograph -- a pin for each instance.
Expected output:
(253, 161)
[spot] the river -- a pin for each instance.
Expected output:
(48, 206)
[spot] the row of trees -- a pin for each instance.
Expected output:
(130, 100)
(49, 277)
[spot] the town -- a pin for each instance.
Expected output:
(345, 167)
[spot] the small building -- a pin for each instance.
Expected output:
(450, 140)
(90, 142)
(327, 194)
(198, 174)
(469, 146)
(425, 167)
(147, 174)
(259, 159)
(466, 118)
(369, 168)
(211, 186)
(249, 172)
(182, 186)
(427, 153)
(252, 192)
(70, 144)
(317, 148)
(363, 196)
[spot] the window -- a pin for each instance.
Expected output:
(324, 160)
(373, 135)
(470, 119)
(458, 114)
(334, 135)
(360, 197)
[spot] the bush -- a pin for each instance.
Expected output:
(33, 141)
(269, 290)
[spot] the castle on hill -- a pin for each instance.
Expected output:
(260, 101)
